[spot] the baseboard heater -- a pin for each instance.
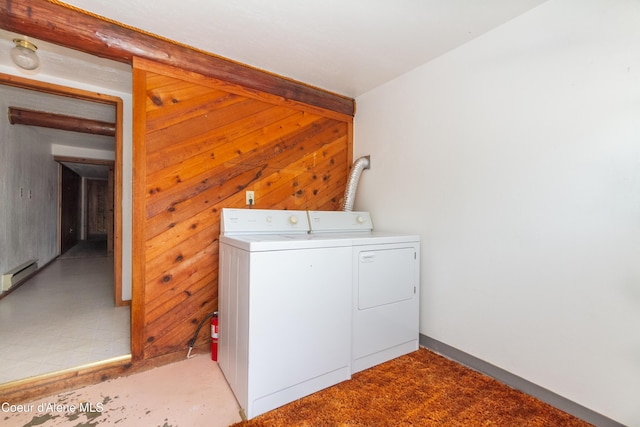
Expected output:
(13, 277)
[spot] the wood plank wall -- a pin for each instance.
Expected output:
(199, 143)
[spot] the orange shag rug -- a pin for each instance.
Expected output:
(418, 389)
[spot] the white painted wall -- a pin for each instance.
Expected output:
(127, 165)
(517, 159)
(28, 194)
(81, 152)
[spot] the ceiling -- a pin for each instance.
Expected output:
(345, 46)
(62, 63)
(89, 171)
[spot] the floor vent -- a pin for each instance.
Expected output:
(13, 277)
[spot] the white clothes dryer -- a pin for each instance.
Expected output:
(385, 287)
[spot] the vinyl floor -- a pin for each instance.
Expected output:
(61, 318)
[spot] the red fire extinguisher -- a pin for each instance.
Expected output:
(214, 337)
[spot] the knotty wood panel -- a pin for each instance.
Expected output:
(198, 145)
(97, 208)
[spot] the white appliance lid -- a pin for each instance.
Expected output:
(339, 221)
(263, 221)
(284, 242)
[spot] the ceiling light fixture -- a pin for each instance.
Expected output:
(24, 54)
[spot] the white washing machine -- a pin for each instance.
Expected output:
(385, 287)
(284, 308)
(307, 298)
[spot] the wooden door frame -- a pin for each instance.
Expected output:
(69, 92)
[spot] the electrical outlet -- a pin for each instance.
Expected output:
(250, 196)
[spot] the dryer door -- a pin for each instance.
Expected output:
(385, 303)
(385, 276)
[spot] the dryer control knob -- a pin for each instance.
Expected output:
(269, 219)
(359, 219)
(293, 219)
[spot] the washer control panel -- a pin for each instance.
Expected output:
(263, 221)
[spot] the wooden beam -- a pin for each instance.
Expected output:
(97, 36)
(53, 89)
(83, 160)
(21, 116)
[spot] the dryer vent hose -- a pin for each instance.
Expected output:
(354, 177)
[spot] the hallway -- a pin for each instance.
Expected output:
(62, 318)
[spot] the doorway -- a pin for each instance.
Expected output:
(70, 218)
(105, 210)
(86, 202)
